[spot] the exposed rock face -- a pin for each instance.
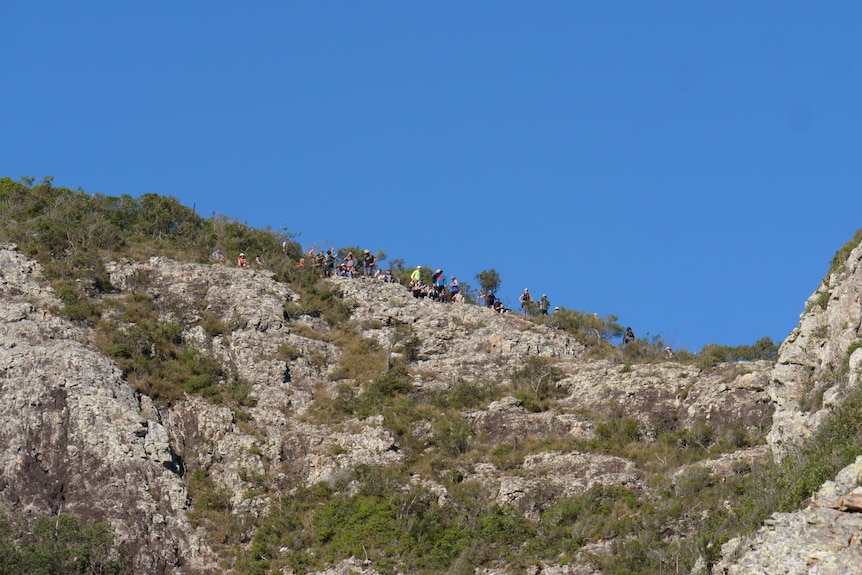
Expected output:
(824, 538)
(74, 436)
(813, 361)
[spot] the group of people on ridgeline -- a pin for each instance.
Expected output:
(241, 260)
(438, 290)
(525, 299)
(326, 265)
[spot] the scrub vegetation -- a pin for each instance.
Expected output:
(377, 512)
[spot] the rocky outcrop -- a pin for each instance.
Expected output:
(814, 369)
(74, 437)
(824, 538)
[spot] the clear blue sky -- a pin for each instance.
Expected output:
(690, 167)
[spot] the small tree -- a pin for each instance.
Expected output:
(537, 376)
(489, 280)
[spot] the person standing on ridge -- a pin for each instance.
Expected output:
(368, 263)
(544, 304)
(525, 299)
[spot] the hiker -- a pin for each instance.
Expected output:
(454, 288)
(217, 256)
(329, 263)
(258, 261)
(668, 352)
(525, 299)
(350, 264)
(241, 261)
(490, 299)
(284, 248)
(317, 263)
(387, 277)
(544, 304)
(368, 263)
(629, 335)
(417, 274)
(458, 297)
(439, 285)
(498, 307)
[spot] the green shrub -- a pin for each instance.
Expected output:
(839, 260)
(468, 395)
(535, 382)
(59, 544)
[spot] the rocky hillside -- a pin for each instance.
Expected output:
(197, 481)
(819, 365)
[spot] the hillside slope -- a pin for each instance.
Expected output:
(502, 444)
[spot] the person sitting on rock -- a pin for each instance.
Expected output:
(454, 287)
(628, 336)
(350, 264)
(217, 256)
(416, 288)
(241, 261)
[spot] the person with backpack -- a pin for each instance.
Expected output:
(489, 299)
(525, 299)
(453, 286)
(329, 263)
(544, 304)
(368, 263)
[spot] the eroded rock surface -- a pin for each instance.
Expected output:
(75, 437)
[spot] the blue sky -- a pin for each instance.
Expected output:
(690, 167)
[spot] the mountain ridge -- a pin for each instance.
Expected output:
(305, 407)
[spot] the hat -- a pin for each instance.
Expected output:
(367, 251)
(418, 267)
(438, 271)
(525, 289)
(241, 254)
